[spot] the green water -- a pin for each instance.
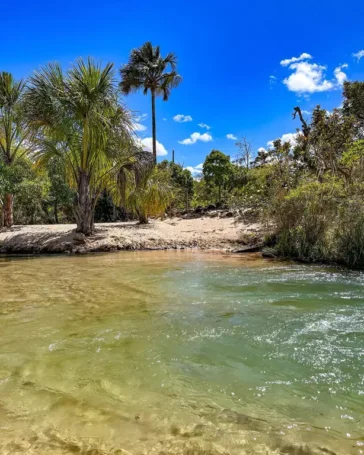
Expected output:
(179, 353)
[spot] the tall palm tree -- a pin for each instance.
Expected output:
(14, 133)
(148, 70)
(78, 118)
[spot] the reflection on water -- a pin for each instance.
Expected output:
(179, 353)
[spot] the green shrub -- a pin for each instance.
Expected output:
(318, 222)
(349, 233)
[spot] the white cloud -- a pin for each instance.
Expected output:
(139, 127)
(141, 118)
(288, 61)
(195, 170)
(262, 149)
(180, 118)
(307, 78)
(205, 137)
(288, 137)
(147, 144)
(272, 80)
(231, 137)
(340, 75)
(306, 112)
(164, 119)
(358, 55)
(203, 125)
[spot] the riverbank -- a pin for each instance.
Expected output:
(205, 233)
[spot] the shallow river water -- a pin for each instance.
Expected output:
(179, 353)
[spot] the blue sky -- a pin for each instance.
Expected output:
(227, 51)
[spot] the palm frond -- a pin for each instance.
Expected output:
(10, 90)
(169, 81)
(14, 132)
(46, 98)
(78, 118)
(146, 69)
(153, 197)
(171, 59)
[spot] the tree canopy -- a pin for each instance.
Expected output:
(15, 135)
(217, 170)
(78, 119)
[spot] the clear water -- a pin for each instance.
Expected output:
(179, 353)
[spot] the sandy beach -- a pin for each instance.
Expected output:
(204, 233)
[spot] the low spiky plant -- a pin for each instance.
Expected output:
(151, 197)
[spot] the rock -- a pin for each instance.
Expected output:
(249, 215)
(68, 246)
(249, 249)
(292, 449)
(213, 214)
(230, 416)
(199, 209)
(269, 253)
(211, 207)
(80, 250)
(227, 415)
(229, 214)
(79, 238)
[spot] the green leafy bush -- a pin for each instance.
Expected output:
(317, 221)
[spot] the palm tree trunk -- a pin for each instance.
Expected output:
(84, 211)
(9, 199)
(142, 217)
(154, 129)
(56, 211)
(143, 220)
(9, 210)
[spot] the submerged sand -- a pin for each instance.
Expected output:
(172, 233)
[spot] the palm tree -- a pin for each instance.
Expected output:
(78, 118)
(15, 140)
(149, 71)
(150, 197)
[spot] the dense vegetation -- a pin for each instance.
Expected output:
(66, 139)
(68, 153)
(310, 193)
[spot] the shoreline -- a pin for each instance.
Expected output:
(203, 233)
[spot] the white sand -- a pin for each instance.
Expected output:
(204, 233)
